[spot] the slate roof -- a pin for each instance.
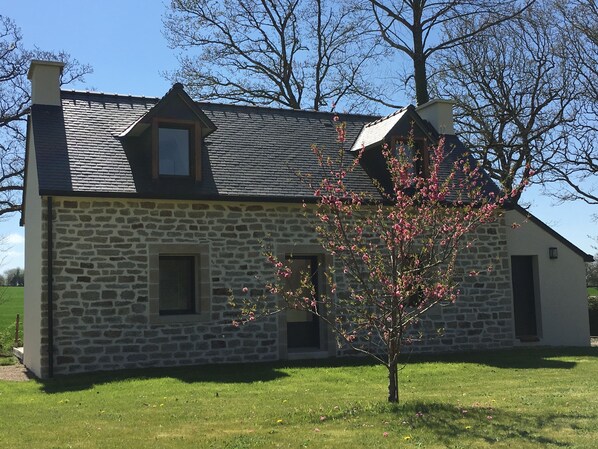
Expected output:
(254, 153)
(375, 132)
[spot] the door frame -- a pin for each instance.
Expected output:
(537, 299)
(327, 340)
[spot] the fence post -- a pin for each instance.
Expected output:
(17, 331)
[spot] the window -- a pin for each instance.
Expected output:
(177, 285)
(303, 327)
(176, 149)
(174, 155)
(415, 152)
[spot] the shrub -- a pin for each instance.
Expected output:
(7, 340)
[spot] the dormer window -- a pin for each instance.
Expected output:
(176, 149)
(176, 127)
(414, 150)
(175, 157)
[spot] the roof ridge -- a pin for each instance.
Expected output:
(108, 94)
(381, 119)
(234, 105)
(279, 108)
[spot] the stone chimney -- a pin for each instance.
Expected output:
(440, 115)
(45, 82)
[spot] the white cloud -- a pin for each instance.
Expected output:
(14, 239)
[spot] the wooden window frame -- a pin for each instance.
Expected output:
(194, 146)
(192, 299)
(201, 254)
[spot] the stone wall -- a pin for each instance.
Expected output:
(102, 318)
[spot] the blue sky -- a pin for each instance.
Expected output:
(123, 41)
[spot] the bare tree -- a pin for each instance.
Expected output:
(576, 166)
(516, 94)
(14, 106)
(291, 53)
(416, 27)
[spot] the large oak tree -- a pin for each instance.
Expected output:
(300, 54)
(526, 96)
(576, 165)
(416, 28)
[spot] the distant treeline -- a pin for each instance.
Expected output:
(15, 277)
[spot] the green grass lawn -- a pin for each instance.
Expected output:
(11, 304)
(519, 399)
(592, 291)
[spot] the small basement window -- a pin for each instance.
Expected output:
(174, 151)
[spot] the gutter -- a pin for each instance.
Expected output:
(50, 291)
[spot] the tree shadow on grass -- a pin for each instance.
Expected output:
(243, 373)
(519, 358)
(229, 373)
(450, 424)
(533, 358)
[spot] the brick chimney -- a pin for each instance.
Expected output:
(440, 115)
(45, 81)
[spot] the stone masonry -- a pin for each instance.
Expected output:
(101, 279)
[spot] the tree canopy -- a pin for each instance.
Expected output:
(300, 54)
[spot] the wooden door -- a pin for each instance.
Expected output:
(303, 327)
(524, 297)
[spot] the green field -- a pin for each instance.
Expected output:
(11, 304)
(592, 291)
(518, 399)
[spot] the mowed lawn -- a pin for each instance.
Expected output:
(592, 291)
(11, 303)
(503, 399)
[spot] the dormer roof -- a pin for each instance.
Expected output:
(376, 133)
(175, 95)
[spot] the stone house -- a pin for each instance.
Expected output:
(141, 213)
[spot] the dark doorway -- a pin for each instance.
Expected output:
(524, 298)
(303, 327)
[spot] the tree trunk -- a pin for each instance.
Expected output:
(419, 57)
(393, 370)
(421, 80)
(393, 382)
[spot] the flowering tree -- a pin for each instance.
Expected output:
(395, 253)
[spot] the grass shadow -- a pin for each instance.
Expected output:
(227, 373)
(247, 373)
(518, 358)
(242, 373)
(450, 424)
